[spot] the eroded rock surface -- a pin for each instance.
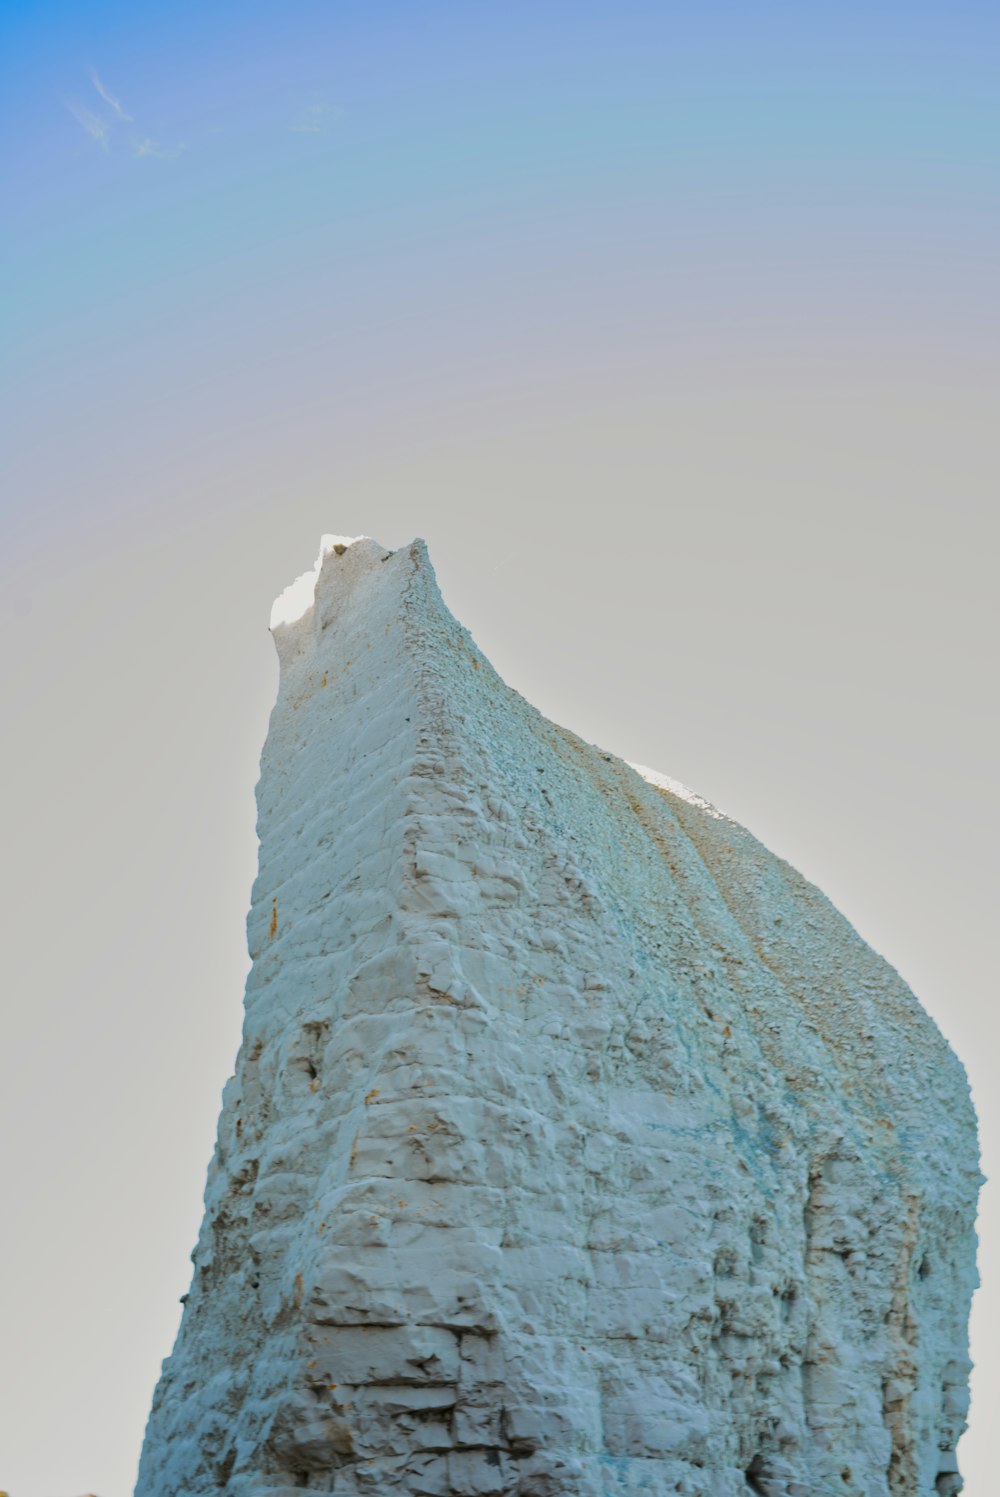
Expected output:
(576, 1146)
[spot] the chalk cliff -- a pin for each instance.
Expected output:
(576, 1146)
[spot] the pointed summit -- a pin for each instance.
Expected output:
(576, 1145)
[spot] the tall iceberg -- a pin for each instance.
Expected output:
(577, 1146)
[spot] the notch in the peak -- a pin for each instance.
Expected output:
(298, 597)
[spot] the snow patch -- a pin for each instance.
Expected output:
(665, 782)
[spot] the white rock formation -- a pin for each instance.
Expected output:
(576, 1146)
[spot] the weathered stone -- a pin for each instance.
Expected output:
(576, 1147)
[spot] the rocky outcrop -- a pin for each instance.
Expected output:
(576, 1146)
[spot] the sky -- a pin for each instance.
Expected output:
(672, 328)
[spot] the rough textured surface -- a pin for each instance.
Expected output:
(576, 1144)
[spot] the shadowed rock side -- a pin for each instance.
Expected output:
(576, 1146)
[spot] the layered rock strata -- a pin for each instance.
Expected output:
(577, 1147)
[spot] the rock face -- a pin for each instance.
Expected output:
(576, 1146)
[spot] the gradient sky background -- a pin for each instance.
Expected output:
(674, 330)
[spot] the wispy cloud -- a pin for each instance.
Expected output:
(101, 126)
(147, 147)
(108, 97)
(314, 119)
(97, 128)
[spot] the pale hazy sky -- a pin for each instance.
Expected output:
(673, 329)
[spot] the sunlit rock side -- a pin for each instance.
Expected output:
(576, 1146)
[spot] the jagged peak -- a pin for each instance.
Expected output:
(324, 595)
(294, 602)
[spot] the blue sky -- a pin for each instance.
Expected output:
(306, 192)
(160, 141)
